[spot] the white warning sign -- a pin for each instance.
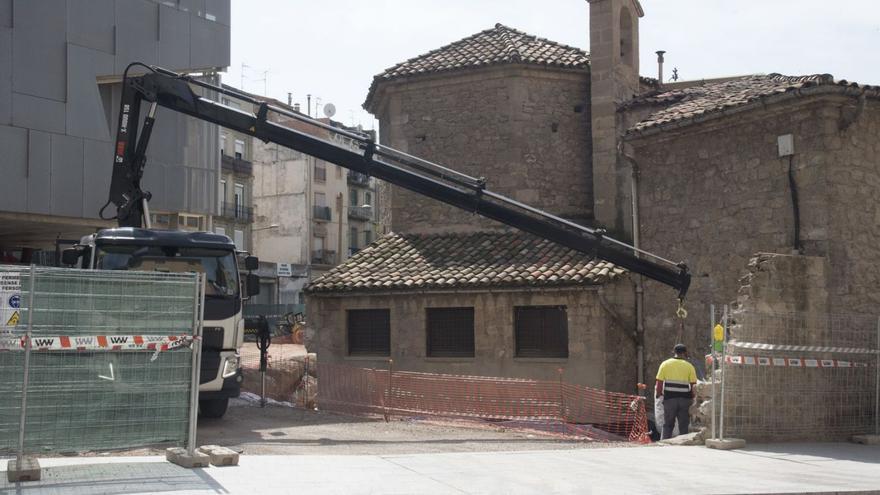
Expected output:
(10, 300)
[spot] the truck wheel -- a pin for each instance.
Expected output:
(213, 408)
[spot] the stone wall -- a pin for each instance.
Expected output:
(526, 130)
(852, 142)
(715, 193)
(601, 352)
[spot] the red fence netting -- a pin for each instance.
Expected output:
(551, 407)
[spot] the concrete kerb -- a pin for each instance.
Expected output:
(29, 470)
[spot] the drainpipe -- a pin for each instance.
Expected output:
(639, 282)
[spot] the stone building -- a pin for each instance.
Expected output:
(720, 169)
(484, 303)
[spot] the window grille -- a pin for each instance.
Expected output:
(369, 332)
(541, 331)
(450, 332)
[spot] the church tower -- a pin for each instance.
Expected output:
(614, 79)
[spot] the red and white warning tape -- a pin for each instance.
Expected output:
(800, 348)
(157, 343)
(792, 362)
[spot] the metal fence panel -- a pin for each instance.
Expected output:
(810, 377)
(110, 365)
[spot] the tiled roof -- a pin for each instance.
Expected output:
(694, 101)
(499, 45)
(455, 261)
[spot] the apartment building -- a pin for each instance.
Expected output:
(309, 215)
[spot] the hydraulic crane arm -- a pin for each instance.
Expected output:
(174, 91)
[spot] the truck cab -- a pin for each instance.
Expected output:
(215, 256)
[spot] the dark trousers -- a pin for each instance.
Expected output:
(676, 409)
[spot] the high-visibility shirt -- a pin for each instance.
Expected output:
(676, 375)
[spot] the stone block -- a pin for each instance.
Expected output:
(726, 444)
(179, 456)
(29, 470)
(866, 439)
(220, 456)
(693, 438)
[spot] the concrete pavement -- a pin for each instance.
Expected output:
(780, 468)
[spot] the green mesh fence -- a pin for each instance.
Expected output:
(98, 377)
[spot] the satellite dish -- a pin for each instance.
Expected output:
(329, 110)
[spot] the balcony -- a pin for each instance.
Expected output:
(358, 179)
(323, 257)
(237, 212)
(322, 213)
(236, 165)
(360, 212)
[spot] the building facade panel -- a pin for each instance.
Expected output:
(88, 114)
(5, 76)
(90, 24)
(14, 143)
(67, 176)
(38, 47)
(39, 186)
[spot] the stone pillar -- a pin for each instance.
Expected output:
(614, 79)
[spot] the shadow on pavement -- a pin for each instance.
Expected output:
(815, 452)
(115, 479)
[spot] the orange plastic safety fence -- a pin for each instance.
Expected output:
(552, 407)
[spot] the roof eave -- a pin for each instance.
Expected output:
(828, 89)
(372, 102)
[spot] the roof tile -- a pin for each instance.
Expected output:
(444, 261)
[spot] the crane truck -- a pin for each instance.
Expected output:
(134, 242)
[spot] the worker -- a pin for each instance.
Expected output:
(676, 380)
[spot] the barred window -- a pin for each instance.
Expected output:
(541, 331)
(450, 332)
(369, 332)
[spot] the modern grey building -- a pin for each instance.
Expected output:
(61, 63)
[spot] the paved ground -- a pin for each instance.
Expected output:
(791, 468)
(283, 431)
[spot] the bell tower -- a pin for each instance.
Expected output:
(614, 79)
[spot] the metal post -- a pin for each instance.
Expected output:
(196, 363)
(388, 391)
(562, 402)
(877, 385)
(723, 375)
(27, 361)
(714, 361)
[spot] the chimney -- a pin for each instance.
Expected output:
(296, 108)
(660, 66)
(289, 98)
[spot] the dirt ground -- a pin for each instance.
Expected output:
(279, 430)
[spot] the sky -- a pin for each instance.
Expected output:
(331, 49)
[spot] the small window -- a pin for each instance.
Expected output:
(368, 237)
(369, 332)
(450, 332)
(239, 149)
(353, 237)
(320, 199)
(222, 143)
(320, 172)
(239, 240)
(541, 331)
(353, 197)
(368, 198)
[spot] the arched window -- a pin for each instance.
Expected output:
(626, 36)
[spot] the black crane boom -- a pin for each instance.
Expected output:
(160, 87)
